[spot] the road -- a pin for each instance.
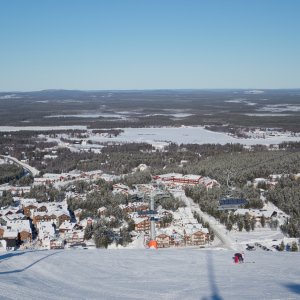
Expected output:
(33, 171)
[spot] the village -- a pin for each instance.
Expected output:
(32, 223)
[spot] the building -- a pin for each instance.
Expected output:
(231, 203)
(163, 240)
(141, 224)
(179, 179)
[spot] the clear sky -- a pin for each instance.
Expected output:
(149, 44)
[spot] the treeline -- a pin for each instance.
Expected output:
(286, 196)
(45, 194)
(208, 201)
(9, 172)
(242, 166)
(121, 159)
(6, 199)
(113, 132)
(99, 196)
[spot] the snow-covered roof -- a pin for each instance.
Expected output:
(10, 234)
(19, 225)
(139, 220)
(66, 225)
(28, 201)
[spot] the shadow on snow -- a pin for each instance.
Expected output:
(215, 294)
(293, 287)
(26, 268)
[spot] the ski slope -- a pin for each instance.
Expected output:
(148, 274)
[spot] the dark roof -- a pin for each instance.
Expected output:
(147, 212)
(232, 201)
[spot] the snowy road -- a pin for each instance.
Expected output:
(218, 231)
(27, 167)
(148, 274)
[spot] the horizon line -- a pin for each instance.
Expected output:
(148, 89)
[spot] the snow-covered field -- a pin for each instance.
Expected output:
(148, 274)
(197, 135)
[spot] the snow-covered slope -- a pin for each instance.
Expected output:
(148, 274)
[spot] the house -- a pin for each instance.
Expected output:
(163, 240)
(75, 236)
(56, 244)
(66, 226)
(40, 217)
(42, 207)
(46, 230)
(11, 238)
(134, 207)
(1, 232)
(25, 235)
(101, 211)
(196, 237)
(62, 217)
(22, 227)
(141, 224)
(29, 209)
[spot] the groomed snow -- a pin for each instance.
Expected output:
(148, 274)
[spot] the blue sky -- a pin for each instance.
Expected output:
(149, 44)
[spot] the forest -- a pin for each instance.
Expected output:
(9, 172)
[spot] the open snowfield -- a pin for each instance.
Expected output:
(148, 274)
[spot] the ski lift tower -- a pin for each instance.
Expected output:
(152, 243)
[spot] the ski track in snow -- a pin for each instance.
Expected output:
(148, 274)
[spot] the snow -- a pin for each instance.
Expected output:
(280, 107)
(158, 136)
(148, 274)
(185, 135)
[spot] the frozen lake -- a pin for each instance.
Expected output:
(186, 135)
